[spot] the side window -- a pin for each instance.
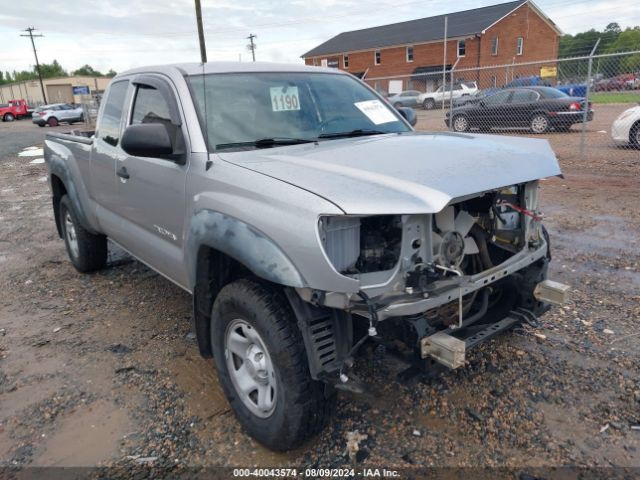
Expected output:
(497, 98)
(522, 96)
(109, 127)
(150, 107)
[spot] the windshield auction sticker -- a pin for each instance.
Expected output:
(284, 99)
(376, 111)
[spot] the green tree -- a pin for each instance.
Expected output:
(88, 71)
(111, 73)
(52, 70)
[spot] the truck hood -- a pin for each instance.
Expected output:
(403, 173)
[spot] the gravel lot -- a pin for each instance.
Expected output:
(102, 370)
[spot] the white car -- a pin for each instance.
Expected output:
(56, 113)
(626, 128)
(444, 94)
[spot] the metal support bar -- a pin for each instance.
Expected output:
(586, 99)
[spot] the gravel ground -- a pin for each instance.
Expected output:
(102, 369)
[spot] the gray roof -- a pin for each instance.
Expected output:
(459, 24)
(230, 67)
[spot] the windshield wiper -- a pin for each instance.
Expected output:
(359, 132)
(266, 142)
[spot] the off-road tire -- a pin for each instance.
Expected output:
(92, 249)
(8, 117)
(429, 104)
(301, 407)
(53, 122)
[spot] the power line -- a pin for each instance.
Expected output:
(35, 54)
(252, 46)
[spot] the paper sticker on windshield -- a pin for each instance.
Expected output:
(376, 111)
(284, 98)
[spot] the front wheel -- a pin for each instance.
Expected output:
(429, 104)
(262, 366)
(539, 123)
(634, 135)
(87, 252)
(460, 123)
(9, 117)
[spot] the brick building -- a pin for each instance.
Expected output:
(507, 33)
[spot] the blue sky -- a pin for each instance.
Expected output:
(122, 34)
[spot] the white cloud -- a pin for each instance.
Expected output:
(121, 34)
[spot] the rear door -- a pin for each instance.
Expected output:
(105, 152)
(522, 104)
(151, 191)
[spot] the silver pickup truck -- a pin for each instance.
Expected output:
(307, 218)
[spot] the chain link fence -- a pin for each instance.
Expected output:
(585, 106)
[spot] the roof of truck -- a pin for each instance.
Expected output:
(231, 67)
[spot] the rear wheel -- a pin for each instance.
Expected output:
(460, 123)
(53, 122)
(8, 117)
(262, 366)
(429, 104)
(87, 252)
(397, 105)
(539, 123)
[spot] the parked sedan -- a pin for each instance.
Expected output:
(537, 108)
(408, 98)
(626, 128)
(53, 114)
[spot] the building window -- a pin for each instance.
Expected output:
(519, 46)
(494, 46)
(377, 57)
(315, 62)
(409, 54)
(494, 81)
(462, 48)
(345, 61)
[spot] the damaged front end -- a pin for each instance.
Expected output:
(433, 285)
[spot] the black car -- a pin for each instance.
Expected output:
(536, 108)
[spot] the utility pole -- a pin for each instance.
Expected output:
(203, 48)
(252, 46)
(35, 54)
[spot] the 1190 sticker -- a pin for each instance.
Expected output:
(284, 99)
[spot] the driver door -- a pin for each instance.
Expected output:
(152, 190)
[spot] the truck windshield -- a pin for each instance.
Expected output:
(260, 110)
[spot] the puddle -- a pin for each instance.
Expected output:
(89, 436)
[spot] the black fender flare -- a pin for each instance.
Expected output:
(242, 242)
(236, 240)
(59, 168)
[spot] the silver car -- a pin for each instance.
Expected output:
(408, 98)
(56, 113)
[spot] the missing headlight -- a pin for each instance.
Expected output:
(361, 244)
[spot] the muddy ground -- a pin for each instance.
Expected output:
(102, 369)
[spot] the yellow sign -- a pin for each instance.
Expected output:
(546, 72)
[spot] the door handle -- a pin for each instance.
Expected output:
(122, 173)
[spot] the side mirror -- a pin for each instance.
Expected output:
(409, 115)
(147, 140)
